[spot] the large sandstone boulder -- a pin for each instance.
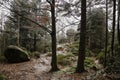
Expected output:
(16, 54)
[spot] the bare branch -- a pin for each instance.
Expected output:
(41, 26)
(49, 2)
(67, 26)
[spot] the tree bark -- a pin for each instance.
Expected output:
(106, 35)
(81, 55)
(35, 41)
(53, 36)
(118, 27)
(113, 28)
(18, 36)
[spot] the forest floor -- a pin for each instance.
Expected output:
(38, 69)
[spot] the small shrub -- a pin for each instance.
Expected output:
(43, 46)
(100, 57)
(88, 53)
(96, 50)
(64, 59)
(62, 40)
(73, 48)
(109, 49)
(89, 62)
(49, 54)
(69, 70)
(60, 57)
(74, 51)
(69, 55)
(60, 48)
(64, 62)
(35, 54)
(2, 77)
(2, 59)
(117, 49)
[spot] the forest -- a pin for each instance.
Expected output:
(59, 39)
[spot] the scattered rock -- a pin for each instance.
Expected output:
(14, 54)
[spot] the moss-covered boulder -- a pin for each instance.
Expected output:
(15, 54)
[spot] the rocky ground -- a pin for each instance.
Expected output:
(38, 69)
(31, 70)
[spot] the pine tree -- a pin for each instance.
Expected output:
(81, 56)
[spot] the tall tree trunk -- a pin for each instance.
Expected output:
(118, 30)
(113, 28)
(118, 27)
(81, 55)
(106, 35)
(35, 36)
(35, 41)
(89, 37)
(53, 36)
(18, 36)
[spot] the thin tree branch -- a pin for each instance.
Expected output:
(49, 2)
(67, 26)
(41, 26)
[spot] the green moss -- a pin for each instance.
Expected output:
(2, 77)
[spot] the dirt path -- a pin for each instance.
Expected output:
(38, 69)
(31, 70)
